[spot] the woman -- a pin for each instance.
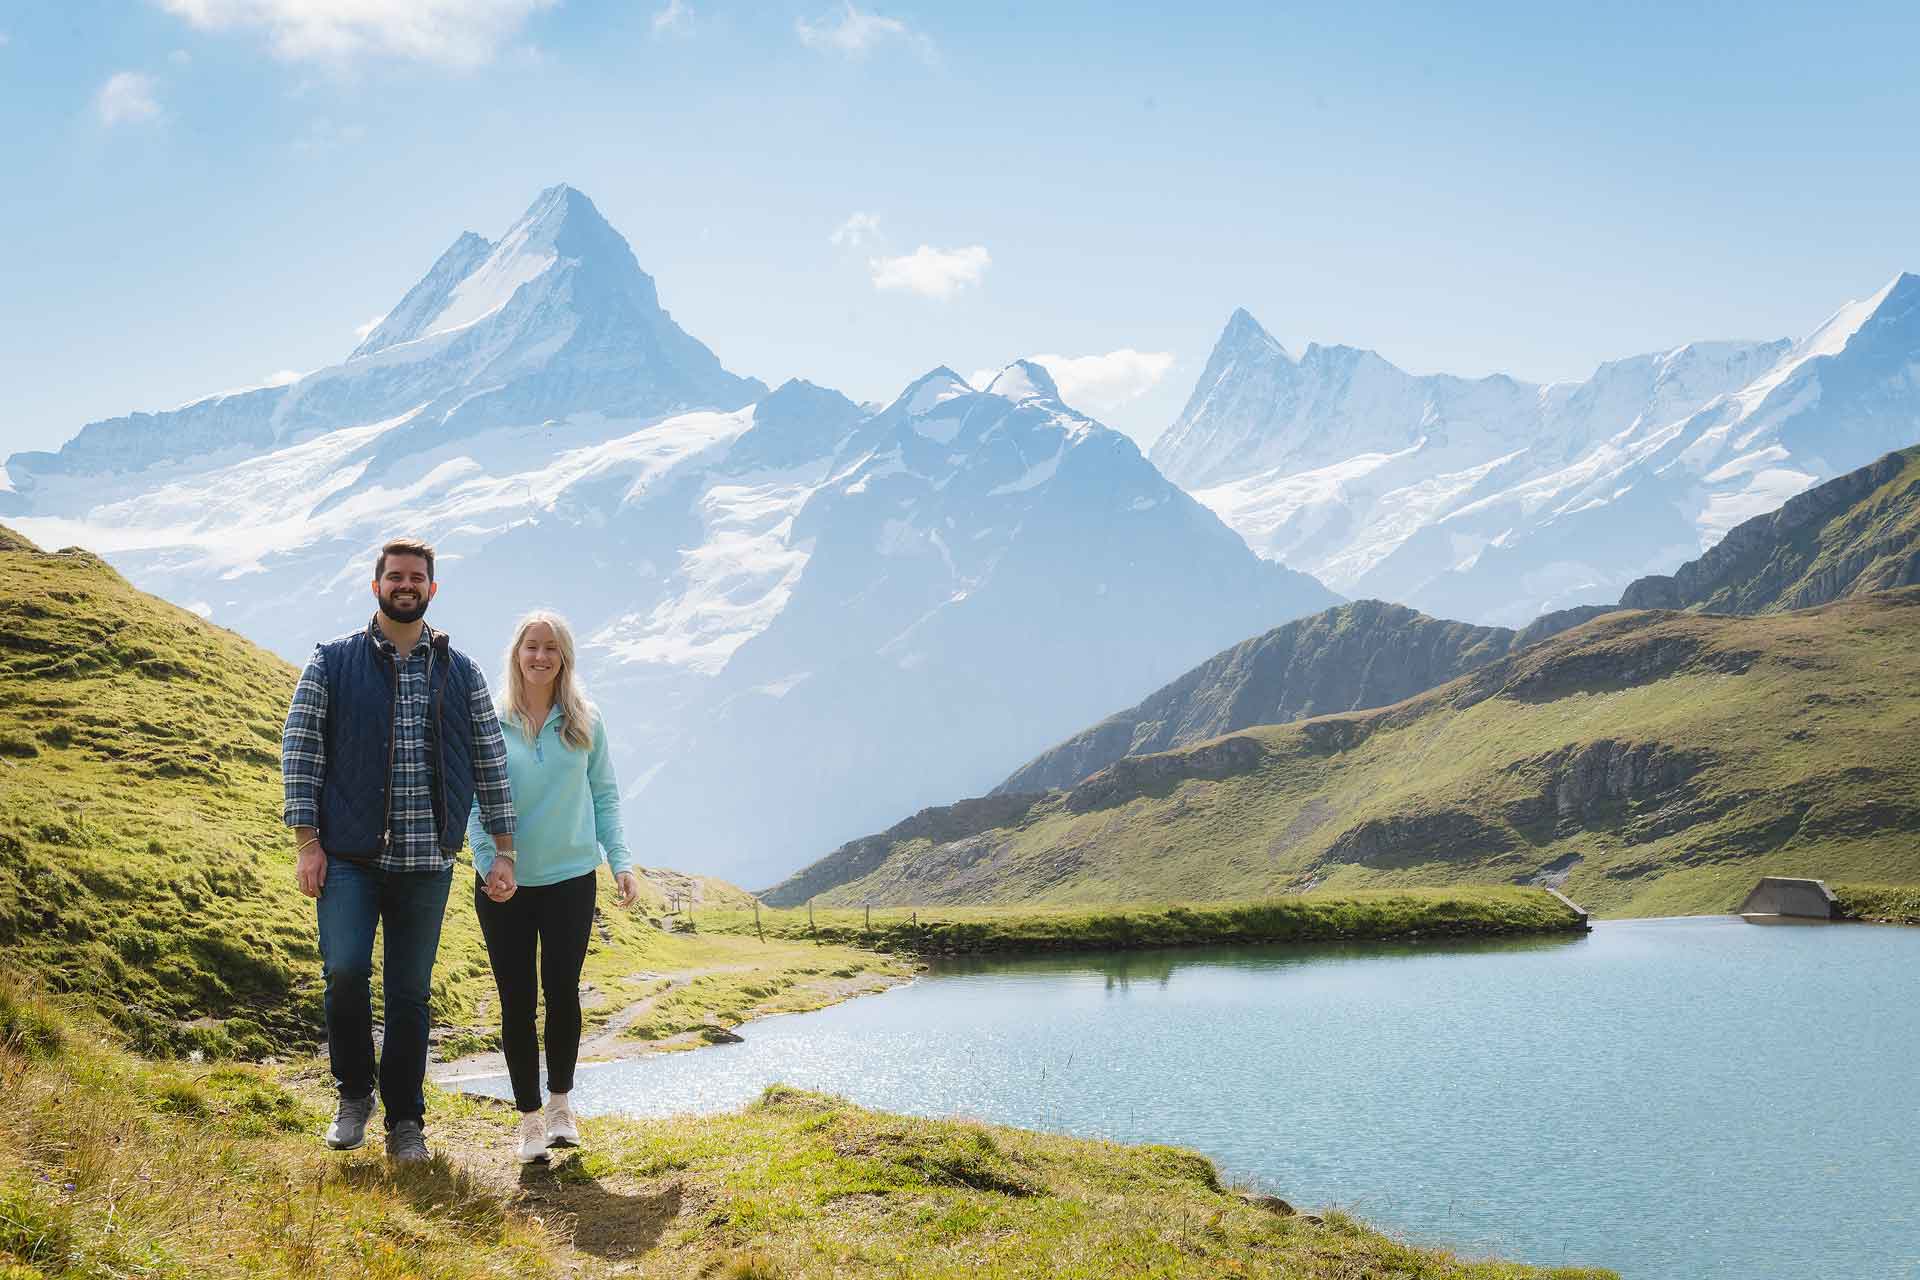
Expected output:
(541, 897)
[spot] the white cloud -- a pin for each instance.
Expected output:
(857, 230)
(855, 34)
(179, 57)
(931, 272)
(677, 16)
(461, 33)
(1108, 381)
(283, 377)
(125, 98)
(4, 37)
(361, 331)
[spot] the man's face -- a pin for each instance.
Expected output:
(403, 588)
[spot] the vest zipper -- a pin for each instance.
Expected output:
(393, 726)
(438, 759)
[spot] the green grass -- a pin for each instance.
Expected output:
(143, 866)
(118, 1166)
(1886, 903)
(1316, 917)
(1663, 761)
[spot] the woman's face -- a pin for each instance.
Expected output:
(539, 656)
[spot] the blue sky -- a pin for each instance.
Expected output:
(202, 193)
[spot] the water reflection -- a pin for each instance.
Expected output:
(1157, 966)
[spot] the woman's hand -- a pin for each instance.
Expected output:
(626, 888)
(500, 882)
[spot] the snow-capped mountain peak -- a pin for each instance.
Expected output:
(1024, 380)
(555, 318)
(1495, 500)
(1887, 306)
(1245, 334)
(927, 392)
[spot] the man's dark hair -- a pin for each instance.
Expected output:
(404, 547)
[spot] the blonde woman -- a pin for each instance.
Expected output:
(540, 897)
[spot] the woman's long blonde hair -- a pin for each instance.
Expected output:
(576, 713)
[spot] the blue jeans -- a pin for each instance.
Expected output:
(410, 905)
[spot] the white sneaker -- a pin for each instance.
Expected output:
(561, 1130)
(533, 1138)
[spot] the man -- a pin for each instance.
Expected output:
(391, 738)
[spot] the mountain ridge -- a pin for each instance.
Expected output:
(1495, 500)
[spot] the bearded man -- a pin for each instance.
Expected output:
(390, 741)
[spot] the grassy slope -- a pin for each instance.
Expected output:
(1314, 917)
(1883, 903)
(117, 1166)
(1871, 547)
(142, 861)
(1677, 756)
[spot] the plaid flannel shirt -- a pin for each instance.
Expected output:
(415, 845)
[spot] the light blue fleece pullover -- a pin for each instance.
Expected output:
(567, 807)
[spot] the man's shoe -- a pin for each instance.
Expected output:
(561, 1130)
(407, 1143)
(349, 1127)
(533, 1138)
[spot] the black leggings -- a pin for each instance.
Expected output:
(558, 917)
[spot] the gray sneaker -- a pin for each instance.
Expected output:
(349, 1127)
(407, 1143)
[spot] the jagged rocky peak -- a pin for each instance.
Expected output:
(429, 297)
(555, 318)
(476, 277)
(1244, 333)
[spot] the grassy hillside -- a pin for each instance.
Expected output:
(1855, 534)
(144, 867)
(119, 1166)
(1649, 762)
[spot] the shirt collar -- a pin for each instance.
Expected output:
(387, 646)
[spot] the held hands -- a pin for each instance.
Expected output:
(626, 888)
(500, 884)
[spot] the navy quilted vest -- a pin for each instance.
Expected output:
(362, 686)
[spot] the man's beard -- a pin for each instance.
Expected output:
(395, 613)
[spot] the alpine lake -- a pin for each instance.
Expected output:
(1674, 1099)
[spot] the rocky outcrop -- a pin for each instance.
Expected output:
(1141, 775)
(1602, 783)
(1445, 835)
(1857, 533)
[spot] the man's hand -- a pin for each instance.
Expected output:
(626, 888)
(310, 866)
(500, 882)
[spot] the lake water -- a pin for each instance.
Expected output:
(1674, 1099)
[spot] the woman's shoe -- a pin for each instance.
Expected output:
(533, 1138)
(561, 1131)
